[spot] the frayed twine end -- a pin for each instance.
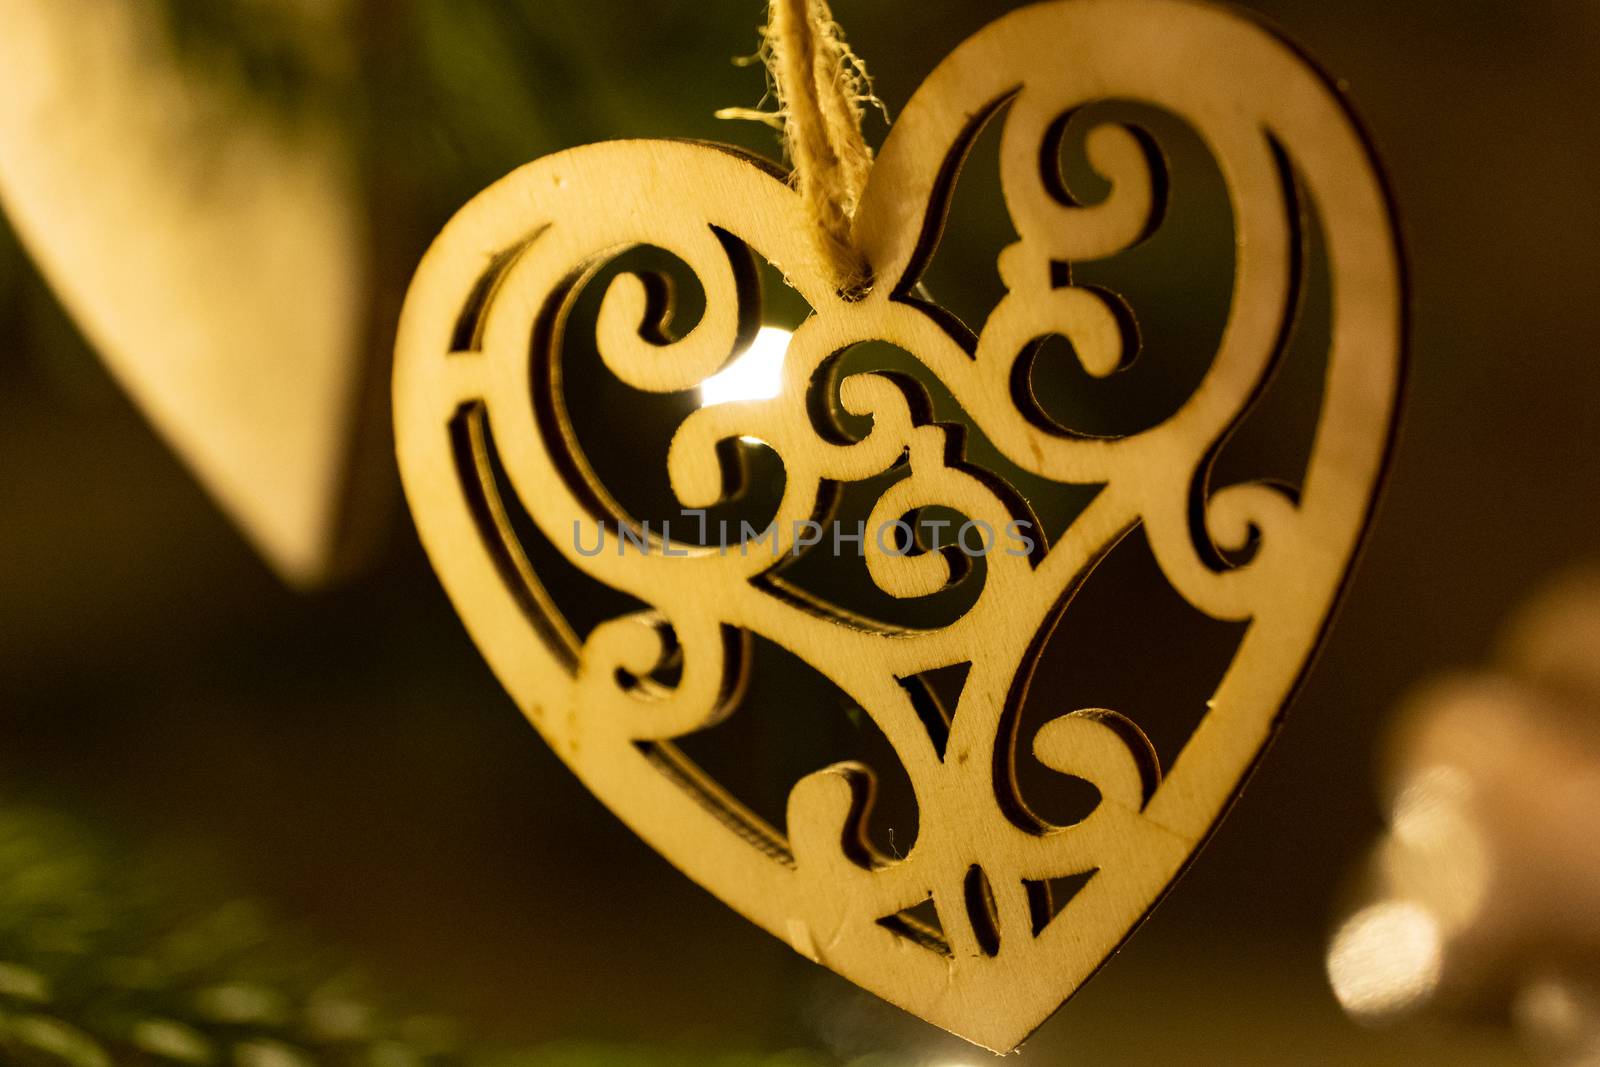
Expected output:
(822, 91)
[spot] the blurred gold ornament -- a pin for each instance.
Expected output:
(1494, 800)
(214, 255)
(485, 434)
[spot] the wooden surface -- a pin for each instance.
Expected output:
(478, 384)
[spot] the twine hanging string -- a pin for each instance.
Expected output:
(822, 91)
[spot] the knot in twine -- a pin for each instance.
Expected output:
(822, 90)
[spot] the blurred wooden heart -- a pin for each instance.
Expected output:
(486, 437)
(214, 255)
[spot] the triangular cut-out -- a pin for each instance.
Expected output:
(1046, 897)
(935, 695)
(919, 924)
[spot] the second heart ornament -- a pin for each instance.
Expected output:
(484, 430)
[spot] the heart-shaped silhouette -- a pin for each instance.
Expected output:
(482, 420)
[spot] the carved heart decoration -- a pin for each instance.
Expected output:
(478, 389)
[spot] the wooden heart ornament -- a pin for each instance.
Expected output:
(485, 430)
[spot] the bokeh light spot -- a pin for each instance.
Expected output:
(1386, 959)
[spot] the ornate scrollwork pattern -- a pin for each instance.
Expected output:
(481, 352)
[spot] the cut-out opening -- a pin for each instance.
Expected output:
(919, 924)
(756, 373)
(563, 602)
(1272, 443)
(1128, 641)
(1053, 504)
(1041, 506)
(632, 466)
(935, 694)
(976, 228)
(981, 910)
(668, 672)
(1064, 800)
(1071, 178)
(793, 721)
(835, 572)
(468, 333)
(1048, 897)
(1171, 291)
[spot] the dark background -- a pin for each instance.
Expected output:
(347, 754)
